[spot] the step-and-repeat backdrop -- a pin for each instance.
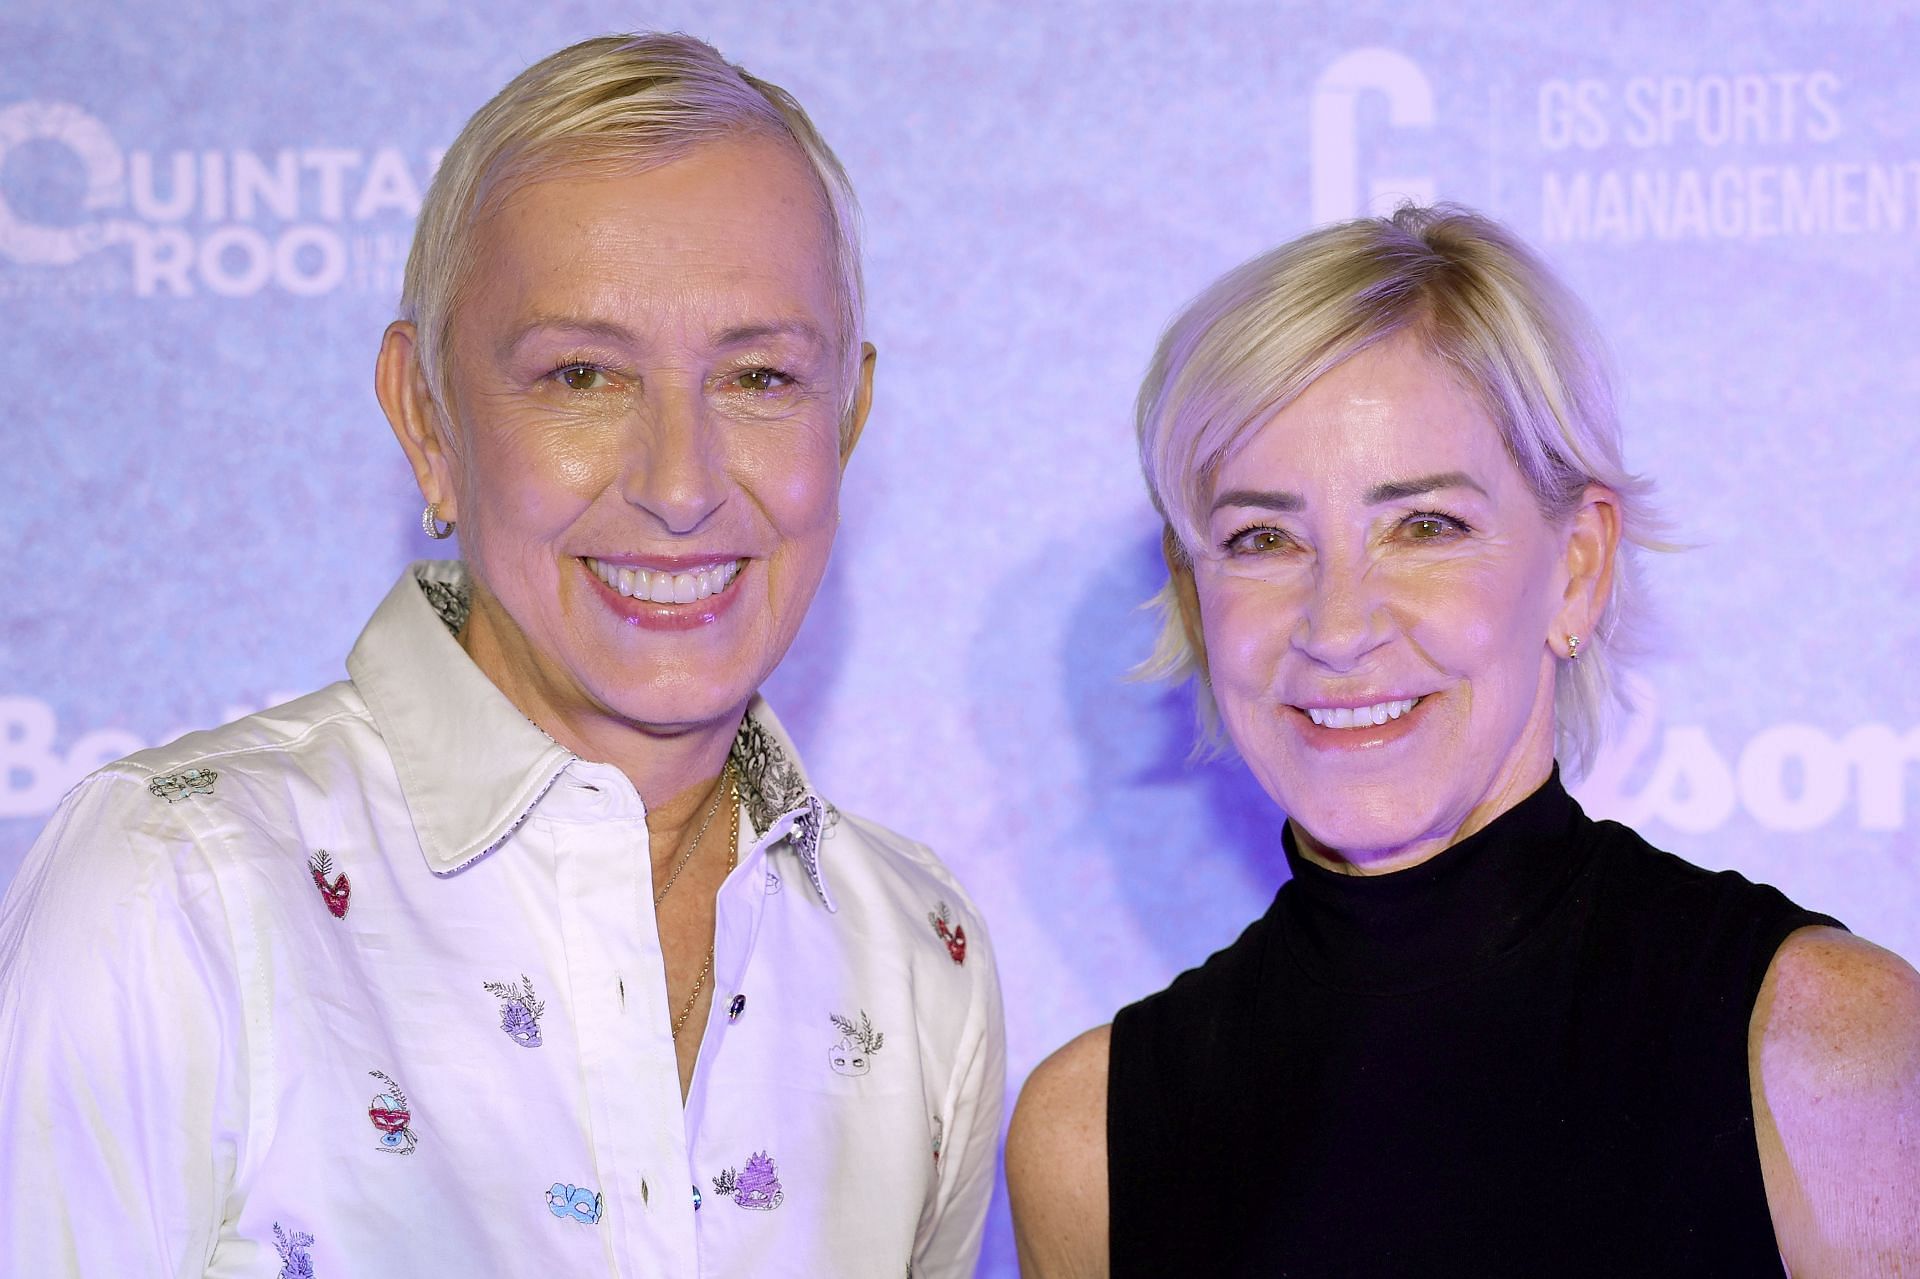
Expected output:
(204, 211)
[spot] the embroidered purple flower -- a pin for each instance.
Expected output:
(294, 1261)
(519, 1010)
(758, 1186)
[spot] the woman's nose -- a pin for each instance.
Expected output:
(1344, 619)
(674, 468)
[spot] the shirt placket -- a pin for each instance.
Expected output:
(737, 915)
(627, 1066)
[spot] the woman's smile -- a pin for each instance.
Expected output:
(1350, 725)
(656, 594)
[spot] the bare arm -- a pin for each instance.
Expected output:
(1834, 1058)
(1057, 1163)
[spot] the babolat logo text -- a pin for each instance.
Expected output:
(303, 220)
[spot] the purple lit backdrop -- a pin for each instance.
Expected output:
(202, 221)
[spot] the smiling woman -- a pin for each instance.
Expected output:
(529, 857)
(1477, 1032)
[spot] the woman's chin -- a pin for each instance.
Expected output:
(1383, 835)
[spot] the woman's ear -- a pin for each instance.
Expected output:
(862, 401)
(1186, 597)
(401, 385)
(1593, 543)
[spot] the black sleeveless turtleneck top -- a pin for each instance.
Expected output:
(1526, 1056)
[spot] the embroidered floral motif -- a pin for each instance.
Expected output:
(853, 1055)
(756, 1186)
(773, 882)
(954, 935)
(390, 1113)
(177, 786)
(451, 602)
(770, 783)
(576, 1203)
(335, 894)
(294, 1261)
(519, 1010)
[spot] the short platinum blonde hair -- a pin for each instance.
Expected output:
(613, 104)
(1478, 300)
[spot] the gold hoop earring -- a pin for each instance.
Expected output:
(430, 523)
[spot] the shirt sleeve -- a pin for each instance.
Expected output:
(950, 1236)
(119, 1043)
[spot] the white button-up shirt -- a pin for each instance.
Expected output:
(370, 985)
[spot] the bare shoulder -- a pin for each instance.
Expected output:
(1057, 1162)
(1834, 1062)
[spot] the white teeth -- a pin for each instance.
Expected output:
(662, 587)
(1359, 716)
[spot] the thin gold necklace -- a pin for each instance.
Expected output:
(726, 776)
(733, 848)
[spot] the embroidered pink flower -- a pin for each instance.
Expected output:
(336, 893)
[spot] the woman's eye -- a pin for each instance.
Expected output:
(582, 377)
(1257, 541)
(1428, 528)
(760, 381)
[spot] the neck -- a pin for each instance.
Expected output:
(674, 768)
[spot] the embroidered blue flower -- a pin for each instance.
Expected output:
(574, 1202)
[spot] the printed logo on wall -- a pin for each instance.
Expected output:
(231, 222)
(34, 773)
(1786, 777)
(1741, 156)
(1333, 126)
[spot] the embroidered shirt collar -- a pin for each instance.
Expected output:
(472, 766)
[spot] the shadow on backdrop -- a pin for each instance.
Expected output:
(1196, 844)
(1110, 824)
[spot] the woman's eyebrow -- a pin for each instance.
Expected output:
(1391, 491)
(745, 334)
(1264, 499)
(1399, 490)
(571, 327)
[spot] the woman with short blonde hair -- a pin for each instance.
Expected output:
(530, 948)
(1477, 1032)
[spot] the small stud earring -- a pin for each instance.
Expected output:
(430, 522)
(1573, 648)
